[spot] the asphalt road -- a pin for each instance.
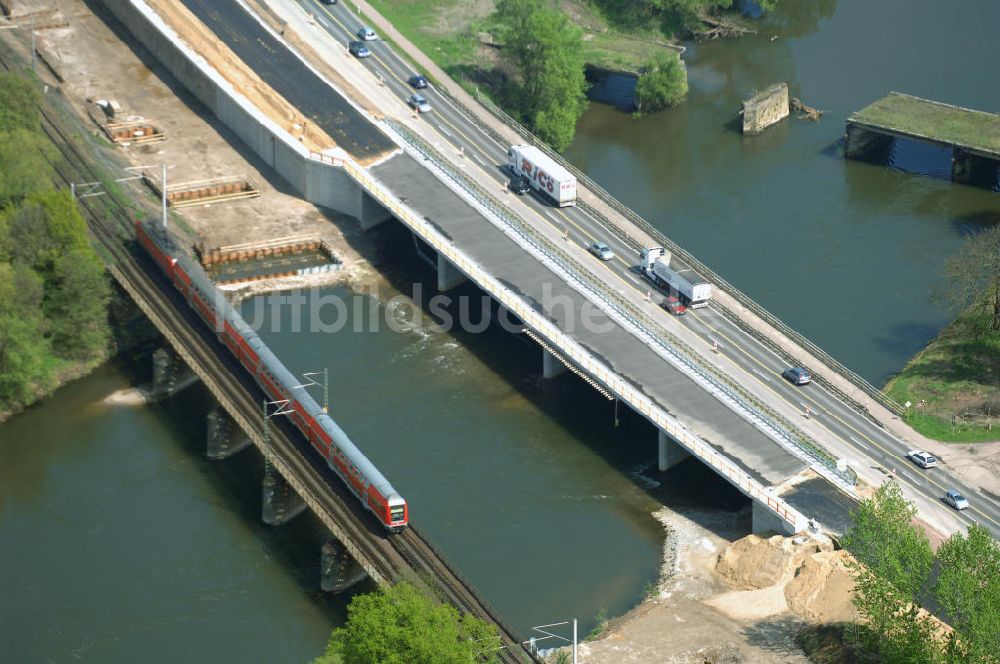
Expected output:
(850, 433)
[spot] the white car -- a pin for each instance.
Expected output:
(366, 34)
(922, 459)
(419, 104)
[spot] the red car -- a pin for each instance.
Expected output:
(674, 306)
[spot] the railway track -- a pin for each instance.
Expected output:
(408, 555)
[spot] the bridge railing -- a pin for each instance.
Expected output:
(659, 238)
(668, 343)
(581, 356)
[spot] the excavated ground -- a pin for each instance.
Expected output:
(98, 59)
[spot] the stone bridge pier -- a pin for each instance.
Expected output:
(280, 503)
(223, 438)
(338, 569)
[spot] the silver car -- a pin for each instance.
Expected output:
(922, 459)
(956, 500)
(602, 251)
(419, 104)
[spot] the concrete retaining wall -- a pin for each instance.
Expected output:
(321, 182)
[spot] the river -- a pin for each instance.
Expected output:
(119, 542)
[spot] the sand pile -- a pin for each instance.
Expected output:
(778, 574)
(822, 589)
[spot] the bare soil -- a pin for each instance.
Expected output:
(98, 59)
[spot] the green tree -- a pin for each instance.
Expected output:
(399, 625)
(971, 276)
(75, 306)
(884, 539)
(663, 84)
(23, 350)
(19, 101)
(24, 164)
(546, 50)
(968, 590)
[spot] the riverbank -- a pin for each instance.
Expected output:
(953, 384)
(724, 597)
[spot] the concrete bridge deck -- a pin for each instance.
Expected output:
(904, 115)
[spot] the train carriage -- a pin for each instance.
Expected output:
(324, 435)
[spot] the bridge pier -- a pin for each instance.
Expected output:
(280, 502)
(552, 366)
(449, 276)
(338, 570)
(369, 212)
(968, 168)
(223, 438)
(671, 452)
(765, 521)
(166, 367)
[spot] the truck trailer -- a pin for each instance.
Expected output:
(692, 290)
(547, 177)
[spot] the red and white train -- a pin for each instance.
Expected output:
(325, 436)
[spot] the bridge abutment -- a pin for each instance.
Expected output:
(223, 438)
(671, 452)
(449, 276)
(280, 503)
(766, 521)
(368, 211)
(968, 168)
(552, 366)
(338, 569)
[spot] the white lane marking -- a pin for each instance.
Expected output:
(764, 376)
(476, 157)
(442, 128)
(324, 23)
(983, 495)
(910, 478)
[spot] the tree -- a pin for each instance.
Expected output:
(663, 84)
(971, 276)
(22, 349)
(968, 590)
(884, 539)
(546, 50)
(399, 625)
(75, 306)
(24, 164)
(19, 101)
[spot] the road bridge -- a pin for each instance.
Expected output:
(727, 408)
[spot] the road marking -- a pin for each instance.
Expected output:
(445, 131)
(738, 347)
(760, 374)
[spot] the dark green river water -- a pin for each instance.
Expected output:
(119, 543)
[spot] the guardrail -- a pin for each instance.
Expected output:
(659, 337)
(615, 383)
(656, 235)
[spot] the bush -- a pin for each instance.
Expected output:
(663, 84)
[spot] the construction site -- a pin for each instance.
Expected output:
(238, 216)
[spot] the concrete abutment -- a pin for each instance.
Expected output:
(280, 503)
(765, 521)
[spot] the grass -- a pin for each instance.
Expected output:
(932, 119)
(446, 31)
(953, 385)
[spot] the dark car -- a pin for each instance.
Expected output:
(418, 81)
(358, 49)
(520, 185)
(674, 306)
(329, 2)
(797, 376)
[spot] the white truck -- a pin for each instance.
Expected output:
(693, 291)
(547, 177)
